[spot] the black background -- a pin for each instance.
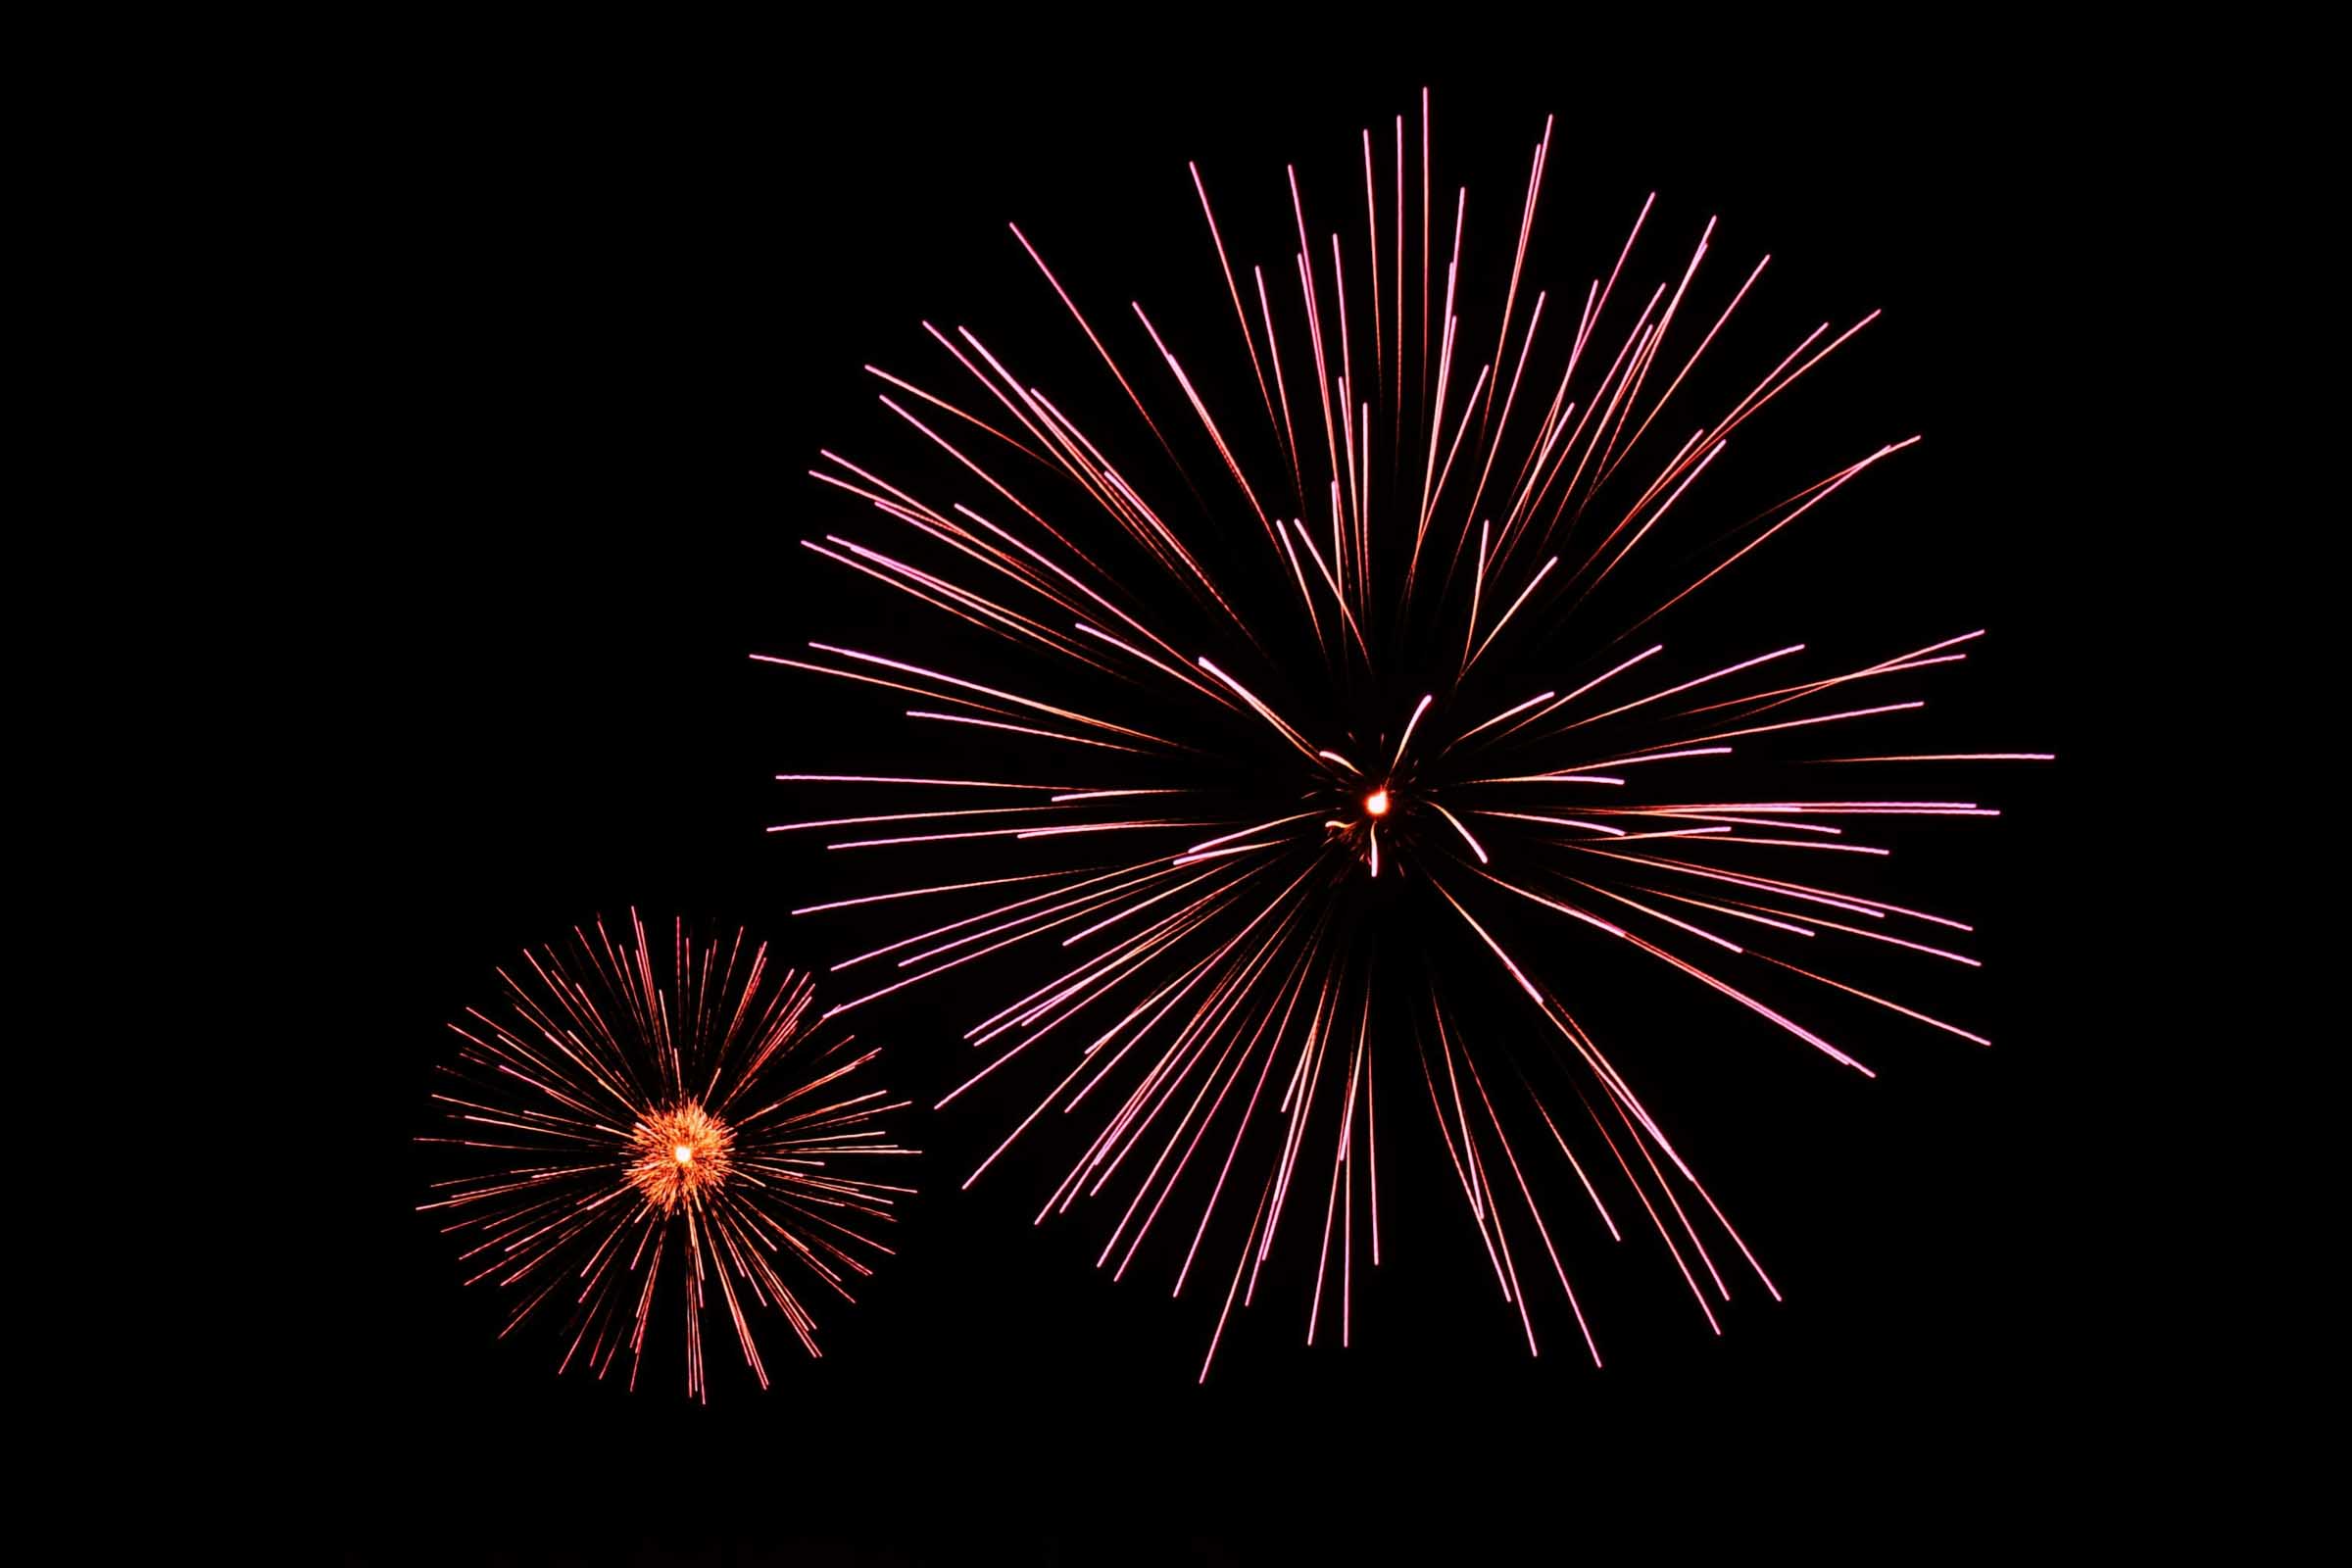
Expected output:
(603, 326)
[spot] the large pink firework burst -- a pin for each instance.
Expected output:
(1330, 701)
(634, 1116)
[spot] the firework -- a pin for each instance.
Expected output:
(633, 1118)
(1376, 683)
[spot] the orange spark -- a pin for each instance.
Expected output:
(680, 1154)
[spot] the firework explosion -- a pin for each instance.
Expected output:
(1388, 542)
(631, 1127)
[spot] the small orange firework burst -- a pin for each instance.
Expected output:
(628, 1127)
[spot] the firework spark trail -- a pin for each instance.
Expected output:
(627, 1125)
(1240, 938)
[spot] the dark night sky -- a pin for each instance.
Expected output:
(608, 325)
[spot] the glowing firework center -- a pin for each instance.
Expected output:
(679, 1155)
(1368, 810)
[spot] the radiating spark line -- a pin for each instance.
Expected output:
(874, 680)
(1951, 756)
(1594, 681)
(1467, 838)
(1261, 710)
(1937, 1023)
(1406, 739)
(975, 686)
(1558, 821)
(955, 783)
(1736, 914)
(1516, 709)
(1672, 691)
(1234, 290)
(1880, 936)
(1089, 330)
(1067, 887)
(903, 816)
(1533, 583)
